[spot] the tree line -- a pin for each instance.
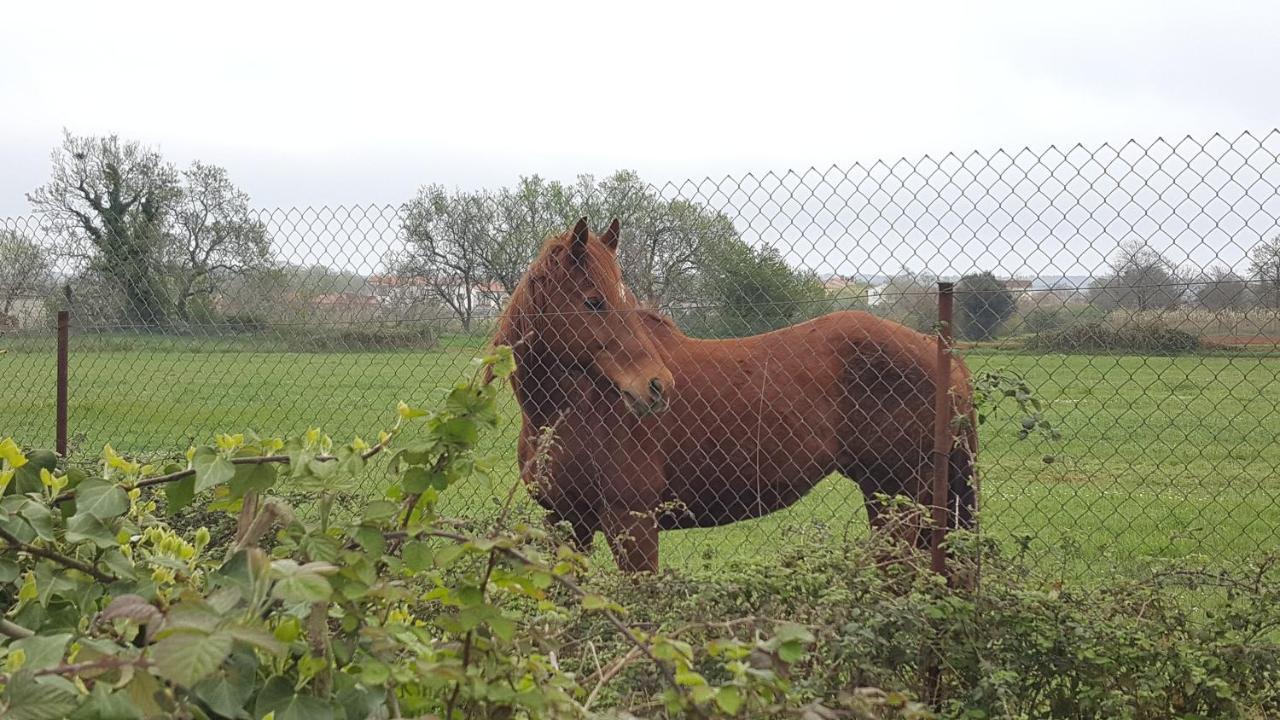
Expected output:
(147, 244)
(154, 246)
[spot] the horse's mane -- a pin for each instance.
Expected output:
(511, 328)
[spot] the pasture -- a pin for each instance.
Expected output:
(1161, 456)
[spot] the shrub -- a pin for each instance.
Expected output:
(1098, 337)
(983, 305)
(385, 611)
(361, 339)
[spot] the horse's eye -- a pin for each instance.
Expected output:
(595, 304)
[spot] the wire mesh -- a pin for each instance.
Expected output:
(1134, 289)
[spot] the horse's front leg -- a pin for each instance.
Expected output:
(633, 537)
(629, 514)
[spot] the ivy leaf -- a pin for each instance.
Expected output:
(179, 494)
(188, 656)
(27, 477)
(102, 500)
(26, 699)
(82, 528)
(211, 468)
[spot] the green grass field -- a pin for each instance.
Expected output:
(1162, 457)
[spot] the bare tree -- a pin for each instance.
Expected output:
(112, 196)
(1222, 289)
(25, 269)
(1264, 267)
(447, 240)
(1141, 279)
(664, 243)
(213, 236)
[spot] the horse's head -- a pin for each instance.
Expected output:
(573, 307)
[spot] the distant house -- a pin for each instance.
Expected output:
(847, 290)
(346, 301)
(405, 290)
(1017, 285)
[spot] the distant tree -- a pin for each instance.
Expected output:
(1222, 289)
(448, 239)
(527, 214)
(1264, 268)
(25, 268)
(1141, 279)
(212, 236)
(109, 197)
(664, 243)
(752, 290)
(984, 304)
(911, 299)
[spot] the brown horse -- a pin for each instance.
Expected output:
(656, 430)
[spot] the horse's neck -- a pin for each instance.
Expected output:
(544, 389)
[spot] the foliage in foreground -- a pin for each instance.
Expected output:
(110, 611)
(391, 611)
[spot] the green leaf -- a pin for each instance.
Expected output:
(188, 656)
(211, 468)
(418, 478)
(179, 494)
(790, 651)
(26, 699)
(278, 697)
(371, 539)
(101, 499)
(27, 477)
(146, 693)
(227, 692)
(462, 431)
(103, 704)
(38, 517)
(43, 651)
(379, 510)
(729, 699)
(83, 528)
(302, 587)
(417, 555)
(258, 477)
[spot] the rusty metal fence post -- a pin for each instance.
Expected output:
(64, 333)
(942, 438)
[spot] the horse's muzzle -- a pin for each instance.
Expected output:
(655, 403)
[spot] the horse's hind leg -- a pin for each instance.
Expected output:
(881, 482)
(582, 530)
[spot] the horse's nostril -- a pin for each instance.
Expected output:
(655, 387)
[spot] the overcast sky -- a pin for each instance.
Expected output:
(314, 103)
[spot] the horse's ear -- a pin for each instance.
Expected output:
(578, 243)
(611, 235)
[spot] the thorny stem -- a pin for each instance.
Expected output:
(578, 592)
(57, 557)
(188, 472)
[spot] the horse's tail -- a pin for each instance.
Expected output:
(962, 477)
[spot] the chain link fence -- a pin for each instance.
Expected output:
(1132, 292)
